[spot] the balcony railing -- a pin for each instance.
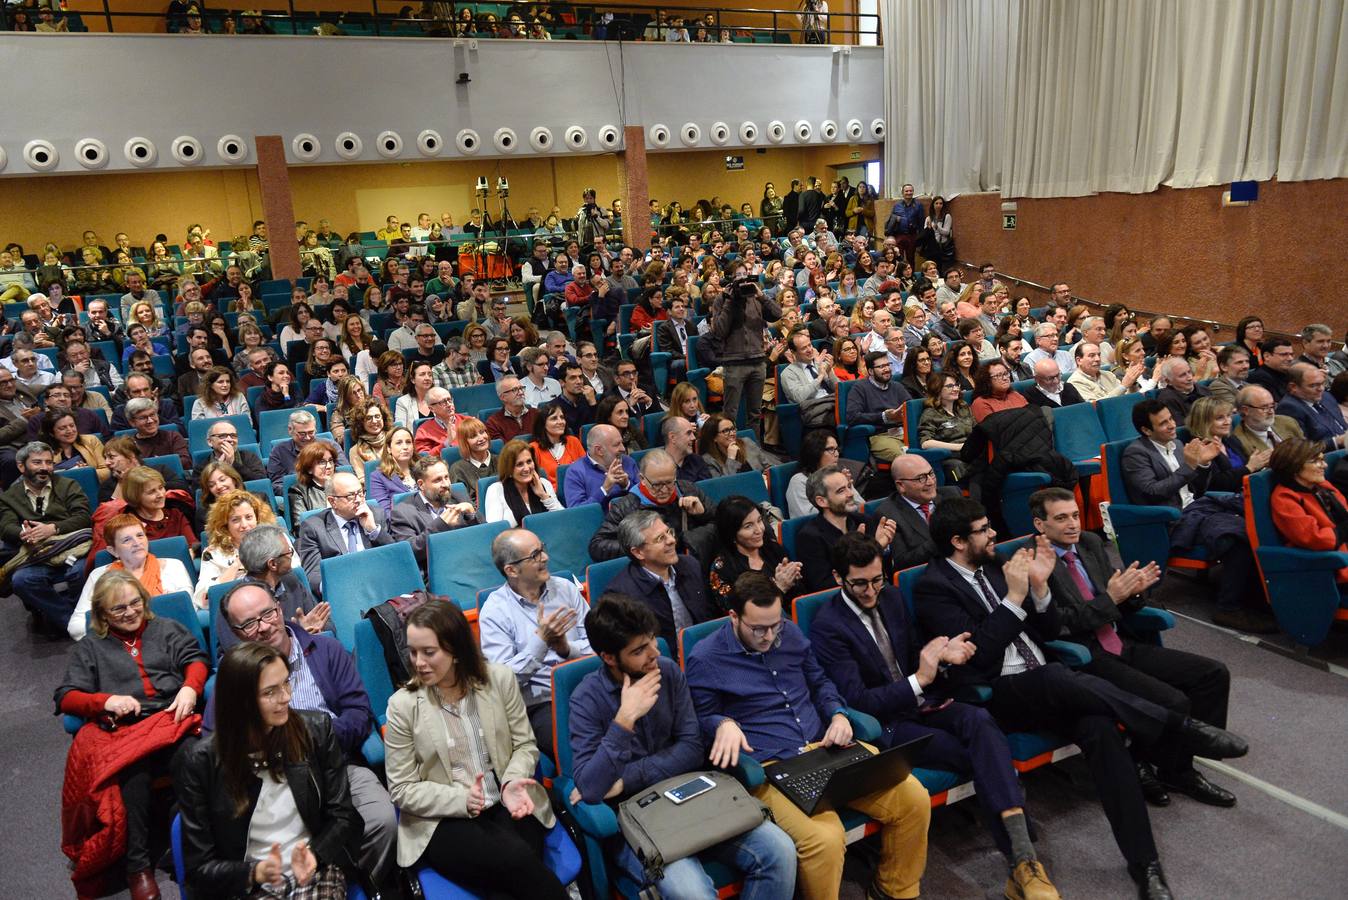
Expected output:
(479, 21)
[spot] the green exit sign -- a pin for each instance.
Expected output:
(855, 154)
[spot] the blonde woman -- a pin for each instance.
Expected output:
(233, 515)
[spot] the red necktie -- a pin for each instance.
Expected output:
(925, 509)
(1105, 634)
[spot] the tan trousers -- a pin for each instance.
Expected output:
(885, 447)
(903, 811)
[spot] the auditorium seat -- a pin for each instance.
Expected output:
(745, 484)
(458, 562)
(567, 533)
(197, 429)
(354, 582)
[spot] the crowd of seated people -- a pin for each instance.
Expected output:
(406, 429)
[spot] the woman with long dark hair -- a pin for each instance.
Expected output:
(748, 545)
(520, 491)
(460, 760)
(1250, 335)
(265, 804)
(820, 448)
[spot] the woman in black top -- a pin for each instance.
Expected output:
(748, 545)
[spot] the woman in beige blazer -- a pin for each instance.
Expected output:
(460, 756)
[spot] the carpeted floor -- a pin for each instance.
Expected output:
(1295, 716)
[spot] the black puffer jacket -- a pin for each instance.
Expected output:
(1013, 440)
(215, 839)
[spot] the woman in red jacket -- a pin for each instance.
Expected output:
(1308, 511)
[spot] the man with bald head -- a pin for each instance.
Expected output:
(1318, 416)
(681, 444)
(682, 504)
(1260, 428)
(910, 507)
(1093, 382)
(348, 525)
(532, 623)
(607, 471)
(1050, 389)
(514, 418)
(433, 434)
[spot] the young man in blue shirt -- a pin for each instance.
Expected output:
(759, 690)
(633, 725)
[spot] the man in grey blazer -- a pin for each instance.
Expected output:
(910, 507)
(1260, 428)
(434, 507)
(809, 381)
(347, 526)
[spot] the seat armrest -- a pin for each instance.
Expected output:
(864, 727)
(1069, 653)
(596, 819)
(1149, 618)
(1125, 514)
(373, 749)
(1283, 560)
(748, 772)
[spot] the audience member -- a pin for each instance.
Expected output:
(1093, 383)
(680, 442)
(313, 468)
(347, 524)
(436, 506)
(632, 725)
(1181, 391)
(520, 490)
(870, 649)
(1046, 347)
(476, 458)
(470, 808)
(1308, 511)
(910, 508)
(738, 676)
(724, 451)
(234, 514)
(1260, 428)
(532, 623)
(223, 439)
(125, 540)
(393, 475)
(1309, 406)
(1049, 389)
(810, 382)
(670, 583)
(303, 429)
(1092, 597)
(747, 545)
(268, 557)
(1233, 366)
(681, 504)
(879, 401)
(514, 419)
(553, 446)
(1272, 373)
(831, 494)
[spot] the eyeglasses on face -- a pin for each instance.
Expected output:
(125, 608)
(920, 479)
(251, 626)
(540, 553)
(762, 631)
(860, 584)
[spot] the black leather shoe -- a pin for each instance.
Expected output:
(1211, 742)
(1152, 789)
(1150, 881)
(1193, 784)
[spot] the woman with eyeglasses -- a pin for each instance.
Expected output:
(992, 391)
(946, 421)
(1308, 511)
(748, 545)
(130, 549)
(725, 453)
(265, 802)
(820, 448)
(1210, 419)
(371, 423)
(316, 463)
(520, 490)
(130, 667)
(233, 515)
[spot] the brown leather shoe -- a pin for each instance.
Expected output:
(1029, 881)
(143, 885)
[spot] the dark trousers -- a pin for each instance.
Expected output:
(966, 740)
(743, 380)
(540, 718)
(49, 591)
(136, 780)
(1184, 683)
(1239, 585)
(1086, 707)
(494, 855)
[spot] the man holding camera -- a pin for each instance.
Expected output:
(592, 220)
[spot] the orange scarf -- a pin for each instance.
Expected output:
(150, 579)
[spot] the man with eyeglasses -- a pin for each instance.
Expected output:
(151, 440)
(454, 371)
(1050, 389)
(323, 678)
(31, 379)
(1260, 428)
(759, 691)
(1306, 403)
(143, 385)
(303, 429)
(539, 388)
(33, 510)
(436, 506)
(348, 525)
(533, 622)
(830, 493)
(1046, 340)
(95, 371)
(600, 378)
(680, 440)
(223, 439)
(681, 504)
(669, 582)
(267, 557)
(1272, 374)
(514, 418)
(879, 400)
(870, 649)
(910, 508)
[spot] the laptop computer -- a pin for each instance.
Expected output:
(841, 774)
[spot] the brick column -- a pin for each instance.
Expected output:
(278, 207)
(634, 190)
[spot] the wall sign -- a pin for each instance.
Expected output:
(734, 163)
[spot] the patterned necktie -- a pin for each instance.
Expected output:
(1105, 634)
(352, 542)
(1023, 649)
(882, 642)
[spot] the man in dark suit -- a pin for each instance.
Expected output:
(1092, 598)
(670, 583)
(830, 492)
(869, 649)
(436, 506)
(1006, 607)
(1320, 419)
(910, 508)
(1049, 388)
(347, 526)
(1272, 375)
(1159, 471)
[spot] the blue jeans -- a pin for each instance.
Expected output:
(765, 856)
(36, 585)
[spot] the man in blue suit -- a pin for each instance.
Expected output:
(1320, 421)
(870, 650)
